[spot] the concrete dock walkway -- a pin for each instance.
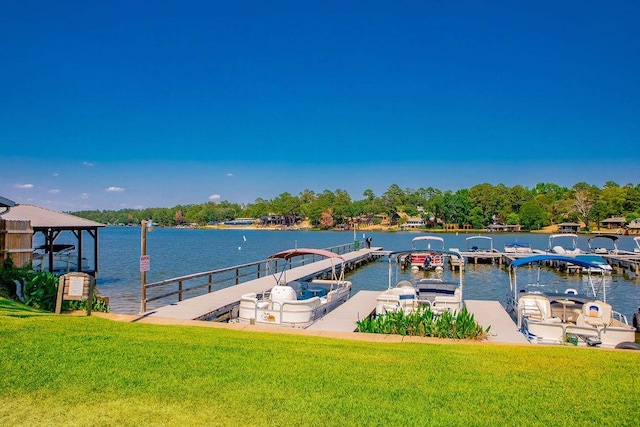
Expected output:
(491, 313)
(344, 318)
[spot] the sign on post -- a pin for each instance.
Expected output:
(145, 263)
(75, 287)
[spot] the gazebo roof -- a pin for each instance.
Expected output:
(45, 218)
(615, 219)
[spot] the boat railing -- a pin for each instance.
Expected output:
(615, 315)
(195, 284)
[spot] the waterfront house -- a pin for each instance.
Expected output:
(634, 226)
(507, 228)
(568, 227)
(613, 222)
(413, 223)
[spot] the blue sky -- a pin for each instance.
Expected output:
(144, 104)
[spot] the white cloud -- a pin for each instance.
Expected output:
(214, 197)
(114, 190)
(229, 174)
(84, 195)
(54, 191)
(88, 163)
(56, 174)
(24, 186)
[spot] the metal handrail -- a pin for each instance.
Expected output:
(233, 275)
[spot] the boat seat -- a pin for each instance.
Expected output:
(596, 313)
(537, 307)
(445, 303)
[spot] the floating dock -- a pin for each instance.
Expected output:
(491, 313)
(344, 318)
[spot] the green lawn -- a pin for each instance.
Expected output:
(67, 370)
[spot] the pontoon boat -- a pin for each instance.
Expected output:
(294, 303)
(436, 294)
(560, 318)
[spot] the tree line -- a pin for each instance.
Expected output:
(479, 206)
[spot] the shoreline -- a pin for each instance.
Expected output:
(396, 229)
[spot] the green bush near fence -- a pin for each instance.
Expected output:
(77, 370)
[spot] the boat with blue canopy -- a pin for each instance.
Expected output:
(560, 317)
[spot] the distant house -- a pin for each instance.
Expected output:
(613, 222)
(413, 223)
(509, 228)
(568, 227)
(634, 226)
(272, 219)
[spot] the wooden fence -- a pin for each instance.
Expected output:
(16, 242)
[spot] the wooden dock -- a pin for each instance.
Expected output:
(624, 263)
(491, 313)
(218, 303)
(344, 318)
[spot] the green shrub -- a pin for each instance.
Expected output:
(425, 323)
(41, 289)
(99, 304)
(8, 273)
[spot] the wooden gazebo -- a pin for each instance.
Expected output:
(51, 224)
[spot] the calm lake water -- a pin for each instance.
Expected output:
(176, 252)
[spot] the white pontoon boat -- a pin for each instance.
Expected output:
(437, 294)
(294, 303)
(566, 317)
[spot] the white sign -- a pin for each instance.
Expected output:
(145, 263)
(76, 286)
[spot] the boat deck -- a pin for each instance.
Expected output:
(491, 313)
(344, 318)
(220, 302)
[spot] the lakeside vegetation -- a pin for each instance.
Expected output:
(69, 370)
(478, 207)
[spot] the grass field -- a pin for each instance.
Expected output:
(68, 370)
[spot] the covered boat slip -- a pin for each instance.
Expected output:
(221, 302)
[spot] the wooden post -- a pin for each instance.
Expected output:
(143, 274)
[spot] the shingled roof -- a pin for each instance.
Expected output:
(47, 218)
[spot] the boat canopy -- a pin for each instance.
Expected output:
(290, 253)
(518, 244)
(427, 239)
(436, 238)
(487, 238)
(573, 236)
(613, 237)
(398, 254)
(551, 257)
